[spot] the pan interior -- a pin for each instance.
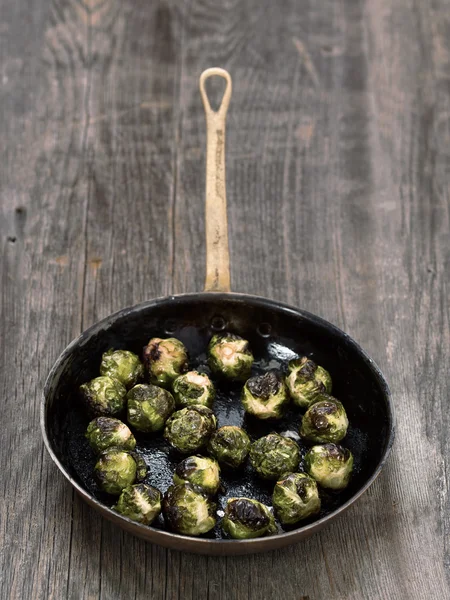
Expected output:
(276, 334)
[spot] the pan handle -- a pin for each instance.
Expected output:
(217, 251)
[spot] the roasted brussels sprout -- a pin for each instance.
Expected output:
(273, 456)
(186, 510)
(295, 497)
(229, 445)
(122, 365)
(306, 380)
(193, 388)
(229, 355)
(330, 464)
(103, 396)
(324, 421)
(265, 396)
(116, 468)
(104, 432)
(246, 518)
(149, 407)
(189, 429)
(199, 471)
(139, 502)
(165, 360)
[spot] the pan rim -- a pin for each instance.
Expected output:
(164, 536)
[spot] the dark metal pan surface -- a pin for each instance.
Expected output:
(276, 333)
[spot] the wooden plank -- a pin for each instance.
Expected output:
(337, 154)
(33, 502)
(95, 178)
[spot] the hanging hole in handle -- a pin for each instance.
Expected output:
(215, 87)
(216, 73)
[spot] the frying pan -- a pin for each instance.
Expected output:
(276, 332)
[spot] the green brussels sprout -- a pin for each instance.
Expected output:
(330, 464)
(186, 510)
(149, 407)
(140, 502)
(246, 518)
(265, 396)
(103, 396)
(229, 355)
(116, 468)
(193, 388)
(202, 472)
(189, 429)
(306, 380)
(273, 456)
(122, 365)
(295, 498)
(104, 432)
(165, 360)
(229, 445)
(324, 421)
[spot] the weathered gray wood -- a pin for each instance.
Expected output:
(337, 157)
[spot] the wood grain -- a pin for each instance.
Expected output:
(338, 144)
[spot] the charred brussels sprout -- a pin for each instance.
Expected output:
(295, 498)
(103, 396)
(306, 380)
(229, 355)
(199, 471)
(273, 456)
(189, 429)
(140, 502)
(187, 510)
(246, 518)
(122, 365)
(330, 464)
(193, 388)
(104, 432)
(324, 421)
(265, 396)
(165, 360)
(117, 468)
(229, 445)
(149, 407)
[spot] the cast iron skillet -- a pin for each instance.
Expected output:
(276, 333)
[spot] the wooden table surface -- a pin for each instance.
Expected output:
(338, 154)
